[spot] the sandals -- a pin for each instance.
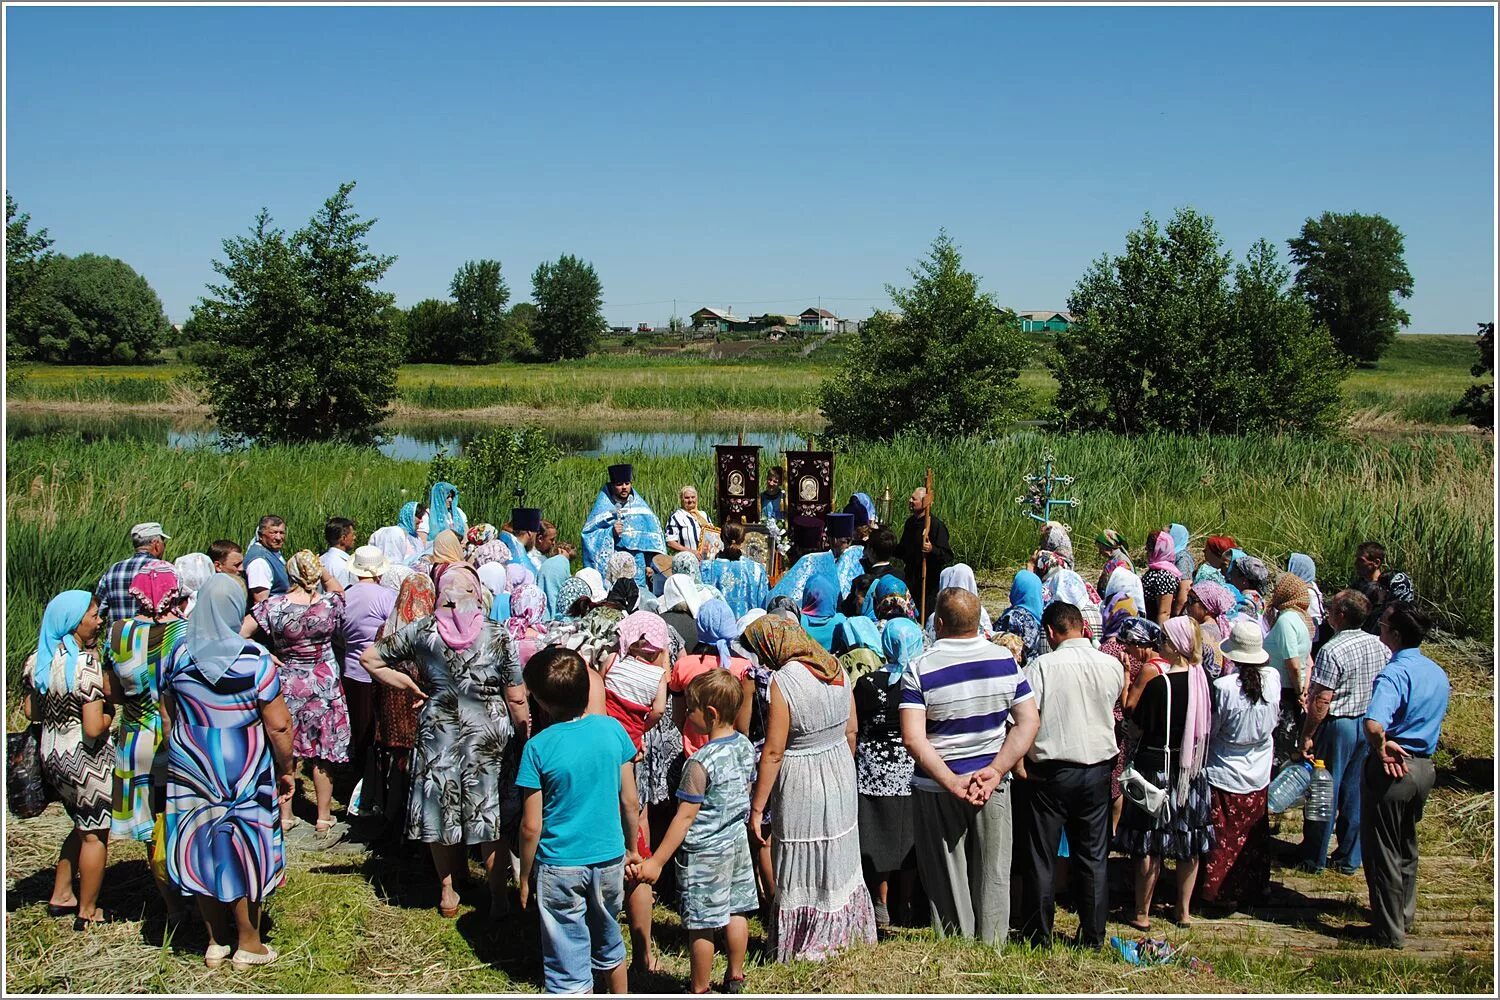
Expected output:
(103, 917)
(735, 985)
(244, 960)
(1142, 927)
(217, 955)
(54, 910)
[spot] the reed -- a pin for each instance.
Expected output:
(71, 502)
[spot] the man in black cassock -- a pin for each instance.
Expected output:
(936, 550)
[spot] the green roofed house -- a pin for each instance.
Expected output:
(711, 320)
(1044, 321)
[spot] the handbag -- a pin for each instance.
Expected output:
(26, 788)
(1137, 788)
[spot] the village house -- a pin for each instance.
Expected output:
(1044, 321)
(815, 320)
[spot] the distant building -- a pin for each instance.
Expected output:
(815, 320)
(1045, 321)
(711, 320)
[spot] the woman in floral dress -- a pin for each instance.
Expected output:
(388, 790)
(300, 625)
(472, 703)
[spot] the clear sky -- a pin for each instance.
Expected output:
(755, 158)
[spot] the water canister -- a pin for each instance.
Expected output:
(1319, 805)
(1290, 786)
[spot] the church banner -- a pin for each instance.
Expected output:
(809, 483)
(738, 481)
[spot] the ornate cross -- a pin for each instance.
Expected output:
(1039, 492)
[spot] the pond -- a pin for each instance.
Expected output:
(409, 441)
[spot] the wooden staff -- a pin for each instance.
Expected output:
(926, 531)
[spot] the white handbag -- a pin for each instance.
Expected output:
(1135, 786)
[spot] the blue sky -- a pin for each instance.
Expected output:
(755, 158)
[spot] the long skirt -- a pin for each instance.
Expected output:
(1238, 867)
(1185, 832)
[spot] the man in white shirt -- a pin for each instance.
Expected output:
(967, 717)
(265, 566)
(1066, 777)
(342, 537)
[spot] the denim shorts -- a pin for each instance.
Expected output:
(580, 907)
(714, 885)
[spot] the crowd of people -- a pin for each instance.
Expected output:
(854, 743)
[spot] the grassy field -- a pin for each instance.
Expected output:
(1417, 382)
(359, 923)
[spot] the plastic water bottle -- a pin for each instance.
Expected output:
(1319, 805)
(1290, 786)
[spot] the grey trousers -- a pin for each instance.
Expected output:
(1388, 837)
(963, 856)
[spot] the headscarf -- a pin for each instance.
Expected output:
(1217, 600)
(620, 566)
(776, 642)
(901, 643)
(1186, 564)
(590, 576)
(1062, 584)
(517, 577)
(1193, 751)
(155, 588)
(625, 593)
(1012, 642)
(686, 563)
(958, 575)
(1121, 602)
(446, 548)
(1140, 631)
(416, 599)
(394, 577)
(393, 543)
(1163, 555)
(1291, 592)
(407, 519)
(893, 606)
(783, 604)
(573, 590)
(1111, 540)
(193, 571)
(528, 610)
(860, 632)
(1180, 536)
(643, 627)
(1219, 544)
(1055, 538)
(492, 551)
(460, 615)
(439, 518)
(820, 598)
(716, 625)
(63, 615)
(1125, 579)
(551, 578)
(213, 636)
(680, 590)
(863, 499)
(1179, 632)
(1303, 566)
(886, 586)
(481, 533)
(305, 569)
(1026, 592)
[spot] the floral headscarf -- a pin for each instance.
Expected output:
(776, 641)
(1142, 632)
(893, 606)
(155, 588)
(1055, 539)
(1217, 601)
(416, 599)
(644, 629)
(901, 643)
(687, 563)
(395, 577)
(1291, 593)
(305, 569)
(1111, 540)
(481, 533)
(492, 551)
(573, 590)
(528, 611)
(886, 586)
(518, 577)
(621, 566)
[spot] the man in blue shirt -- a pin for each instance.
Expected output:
(1402, 721)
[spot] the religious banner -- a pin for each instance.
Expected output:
(739, 482)
(809, 483)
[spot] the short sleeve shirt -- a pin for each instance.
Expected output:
(1347, 665)
(576, 765)
(718, 778)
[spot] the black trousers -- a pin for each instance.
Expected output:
(1059, 796)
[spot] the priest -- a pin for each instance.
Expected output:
(525, 525)
(621, 522)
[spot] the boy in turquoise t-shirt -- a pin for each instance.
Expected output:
(715, 877)
(578, 826)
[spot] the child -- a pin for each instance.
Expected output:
(715, 879)
(635, 695)
(579, 823)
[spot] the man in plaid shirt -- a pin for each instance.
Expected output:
(113, 591)
(1343, 677)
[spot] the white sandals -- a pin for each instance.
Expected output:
(216, 955)
(244, 960)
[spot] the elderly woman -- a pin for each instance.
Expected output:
(1215, 564)
(960, 575)
(807, 778)
(472, 704)
(388, 789)
(193, 571)
(1115, 552)
(679, 603)
(688, 523)
(820, 609)
(1162, 578)
(138, 648)
(1302, 566)
(228, 726)
(1169, 702)
(1210, 604)
(64, 691)
(1023, 618)
(300, 627)
(883, 768)
(1288, 647)
(552, 577)
(1061, 583)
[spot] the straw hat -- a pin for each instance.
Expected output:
(1245, 644)
(368, 563)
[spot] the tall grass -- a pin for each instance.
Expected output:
(1429, 499)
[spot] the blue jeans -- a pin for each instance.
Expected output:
(1341, 746)
(580, 907)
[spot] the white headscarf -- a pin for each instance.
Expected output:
(959, 575)
(592, 577)
(193, 571)
(393, 543)
(1123, 580)
(680, 590)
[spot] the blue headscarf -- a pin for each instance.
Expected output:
(716, 624)
(1026, 592)
(820, 598)
(213, 639)
(1301, 565)
(1179, 535)
(858, 632)
(62, 616)
(901, 643)
(439, 518)
(884, 587)
(863, 499)
(554, 573)
(407, 519)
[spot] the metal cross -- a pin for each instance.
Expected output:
(1039, 492)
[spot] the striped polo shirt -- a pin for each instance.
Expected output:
(966, 687)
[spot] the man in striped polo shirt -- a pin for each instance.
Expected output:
(967, 717)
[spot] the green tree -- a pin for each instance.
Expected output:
(1172, 336)
(480, 295)
(431, 329)
(302, 349)
(1478, 402)
(1351, 268)
(94, 310)
(948, 364)
(569, 308)
(27, 255)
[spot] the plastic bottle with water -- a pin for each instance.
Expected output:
(1290, 786)
(1319, 805)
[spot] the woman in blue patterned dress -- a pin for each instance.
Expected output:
(227, 725)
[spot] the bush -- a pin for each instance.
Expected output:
(1478, 402)
(95, 310)
(1171, 336)
(947, 365)
(497, 469)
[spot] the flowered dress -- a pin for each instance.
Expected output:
(137, 658)
(302, 636)
(462, 779)
(223, 821)
(883, 770)
(79, 769)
